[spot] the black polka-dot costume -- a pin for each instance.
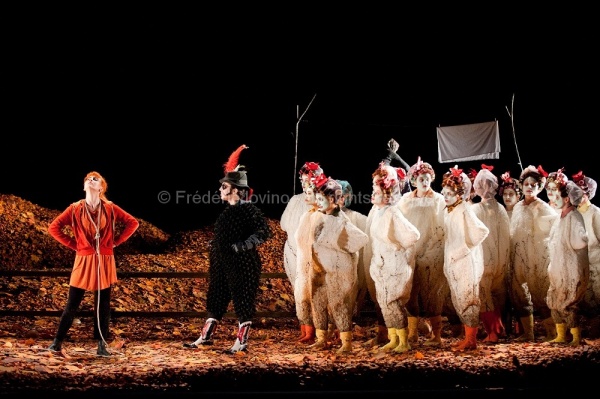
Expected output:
(235, 275)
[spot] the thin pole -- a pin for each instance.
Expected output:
(298, 119)
(512, 123)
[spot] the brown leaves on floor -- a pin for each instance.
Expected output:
(273, 356)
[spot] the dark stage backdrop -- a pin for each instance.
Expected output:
(157, 104)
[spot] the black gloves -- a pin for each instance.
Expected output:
(251, 242)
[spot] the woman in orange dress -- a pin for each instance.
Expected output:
(91, 234)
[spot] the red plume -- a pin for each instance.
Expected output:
(232, 162)
(542, 171)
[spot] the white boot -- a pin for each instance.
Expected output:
(206, 335)
(241, 342)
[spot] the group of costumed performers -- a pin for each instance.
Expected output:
(418, 254)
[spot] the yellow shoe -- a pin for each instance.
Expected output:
(403, 346)
(561, 333)
(394, 340)
(576, 333)
(346, 338)
(321, 342)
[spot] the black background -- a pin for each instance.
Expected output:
(157, 101)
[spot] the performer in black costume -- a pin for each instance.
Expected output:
(235, 264)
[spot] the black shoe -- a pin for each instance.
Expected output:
(102, 349)
(56, 346)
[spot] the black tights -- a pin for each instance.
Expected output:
(73, 302)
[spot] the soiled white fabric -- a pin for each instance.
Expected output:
(529, 233)
(463, 261)
(304, 239)
(591, 218)
(333, 276)
(360, 221)
(430, 287)
(367, 256)
(568, 271)
(496, 254)
(290, 220)
(392, 242)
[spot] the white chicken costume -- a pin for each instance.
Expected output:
(392, 251)
(530, 225)
(569, 268)
(333, 277)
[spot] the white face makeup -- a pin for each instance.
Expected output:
(553, 193)
(531, 187)
(304, 180)
(423, 182)
(558, 202)
(324, 204)
(309, 195)
(225, 191)
(450, 196)
(377, 196)
(509, 196)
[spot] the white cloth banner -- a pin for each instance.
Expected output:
(468, 142)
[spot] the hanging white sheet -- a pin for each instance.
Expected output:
(468, 142)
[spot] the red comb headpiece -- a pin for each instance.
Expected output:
(542, 171)
(319, 180)
(401, 173)
(455, 171)
(578, 176)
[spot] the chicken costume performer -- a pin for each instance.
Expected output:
(591, 217)
(496, 253)
(569, 268)
(530, 226)
(511, 193)
(392, 246)
(235, 264)
(463, 253)
(424, 208)
(290, 219)
(382, 335)
(333, 275)
(303, 241)
(360, 221)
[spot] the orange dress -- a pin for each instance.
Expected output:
(93, 240)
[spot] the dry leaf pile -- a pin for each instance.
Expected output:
(26, 245)
(147, 353)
